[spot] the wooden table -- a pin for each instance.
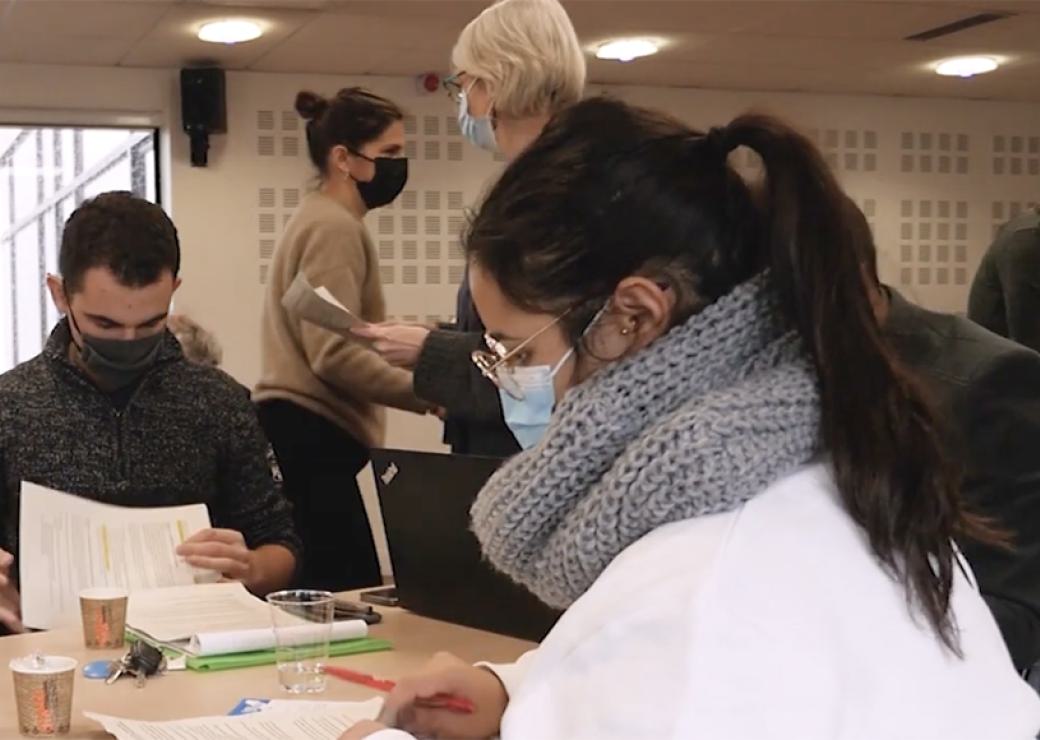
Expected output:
(187, 694)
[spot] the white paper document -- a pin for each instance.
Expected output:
(204, 644)
(282, 723)
(319, 306)
(68, 543)
(217, 619)
(176, 614)
(308, 705)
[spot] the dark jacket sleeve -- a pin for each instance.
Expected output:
(1019, 269)
(986, 298)
(1000, 412)
(446, 376)
(251, 500)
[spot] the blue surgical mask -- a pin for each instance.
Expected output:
(528, 419)
(528, 416)
(480, 131)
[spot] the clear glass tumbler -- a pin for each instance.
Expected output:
(302, 626)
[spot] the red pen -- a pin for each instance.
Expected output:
(438, 701)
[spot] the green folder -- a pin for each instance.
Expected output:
(266, 657)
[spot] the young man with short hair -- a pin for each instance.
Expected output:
(112, 411)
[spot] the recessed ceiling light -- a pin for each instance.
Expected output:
(231, 31)
(625, 50)
(966, 66)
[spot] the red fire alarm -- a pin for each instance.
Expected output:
(428, 83)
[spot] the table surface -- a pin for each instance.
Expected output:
(188, 694)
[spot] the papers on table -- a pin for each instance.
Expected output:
(176, 614)
(319, 306)
(68, 543)
(217, 619)
(307, 721)
(252, 706)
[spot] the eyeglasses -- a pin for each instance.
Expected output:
(494, 362)
(453, 85)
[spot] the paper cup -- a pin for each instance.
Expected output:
(104, 617)
(43, 693)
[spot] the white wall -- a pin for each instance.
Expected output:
(218, 209)
(935, 176)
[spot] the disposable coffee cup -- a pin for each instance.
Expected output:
(104, 617)
(43, 694)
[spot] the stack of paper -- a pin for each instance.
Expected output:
(309, 721)
(69, 543)
(216, 619)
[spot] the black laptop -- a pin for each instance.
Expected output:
(438, 568)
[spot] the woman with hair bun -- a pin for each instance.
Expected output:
(320, 395)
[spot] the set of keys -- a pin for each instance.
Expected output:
(141, 662)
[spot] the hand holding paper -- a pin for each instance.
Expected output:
(222, 550)
(319, 306)
(399, 344)
(69, 543)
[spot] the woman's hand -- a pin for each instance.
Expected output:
(399, 344)
(446, 674)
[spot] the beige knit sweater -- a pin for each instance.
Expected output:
(336, 377)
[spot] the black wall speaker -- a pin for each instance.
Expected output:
(203, 108)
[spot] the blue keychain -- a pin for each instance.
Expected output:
(98, 669)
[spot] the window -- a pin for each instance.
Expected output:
(45, 172)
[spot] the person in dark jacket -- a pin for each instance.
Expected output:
(1005, 295)
(506, 93)
(111, 410)
(988, 391)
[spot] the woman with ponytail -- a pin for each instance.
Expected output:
(321, 395)
(740, 499)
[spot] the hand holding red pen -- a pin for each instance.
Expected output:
(437, 701)
(407, 706)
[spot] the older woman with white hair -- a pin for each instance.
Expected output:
(517, 64)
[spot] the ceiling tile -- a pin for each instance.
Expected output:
(174, 42)
(1018, 32)
(864, 20)
(37, 48)
(814, 45)
(277, 4)
(351, 44)
(120, 20)
(457, 12)
(595, 18)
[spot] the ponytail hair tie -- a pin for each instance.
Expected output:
(718, 141)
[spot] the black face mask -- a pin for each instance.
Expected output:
(388, 182)
(117, 363)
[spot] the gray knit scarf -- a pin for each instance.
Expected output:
(697, 423)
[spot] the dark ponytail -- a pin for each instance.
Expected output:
(609, 190)
(880, 433)
(351, 119)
